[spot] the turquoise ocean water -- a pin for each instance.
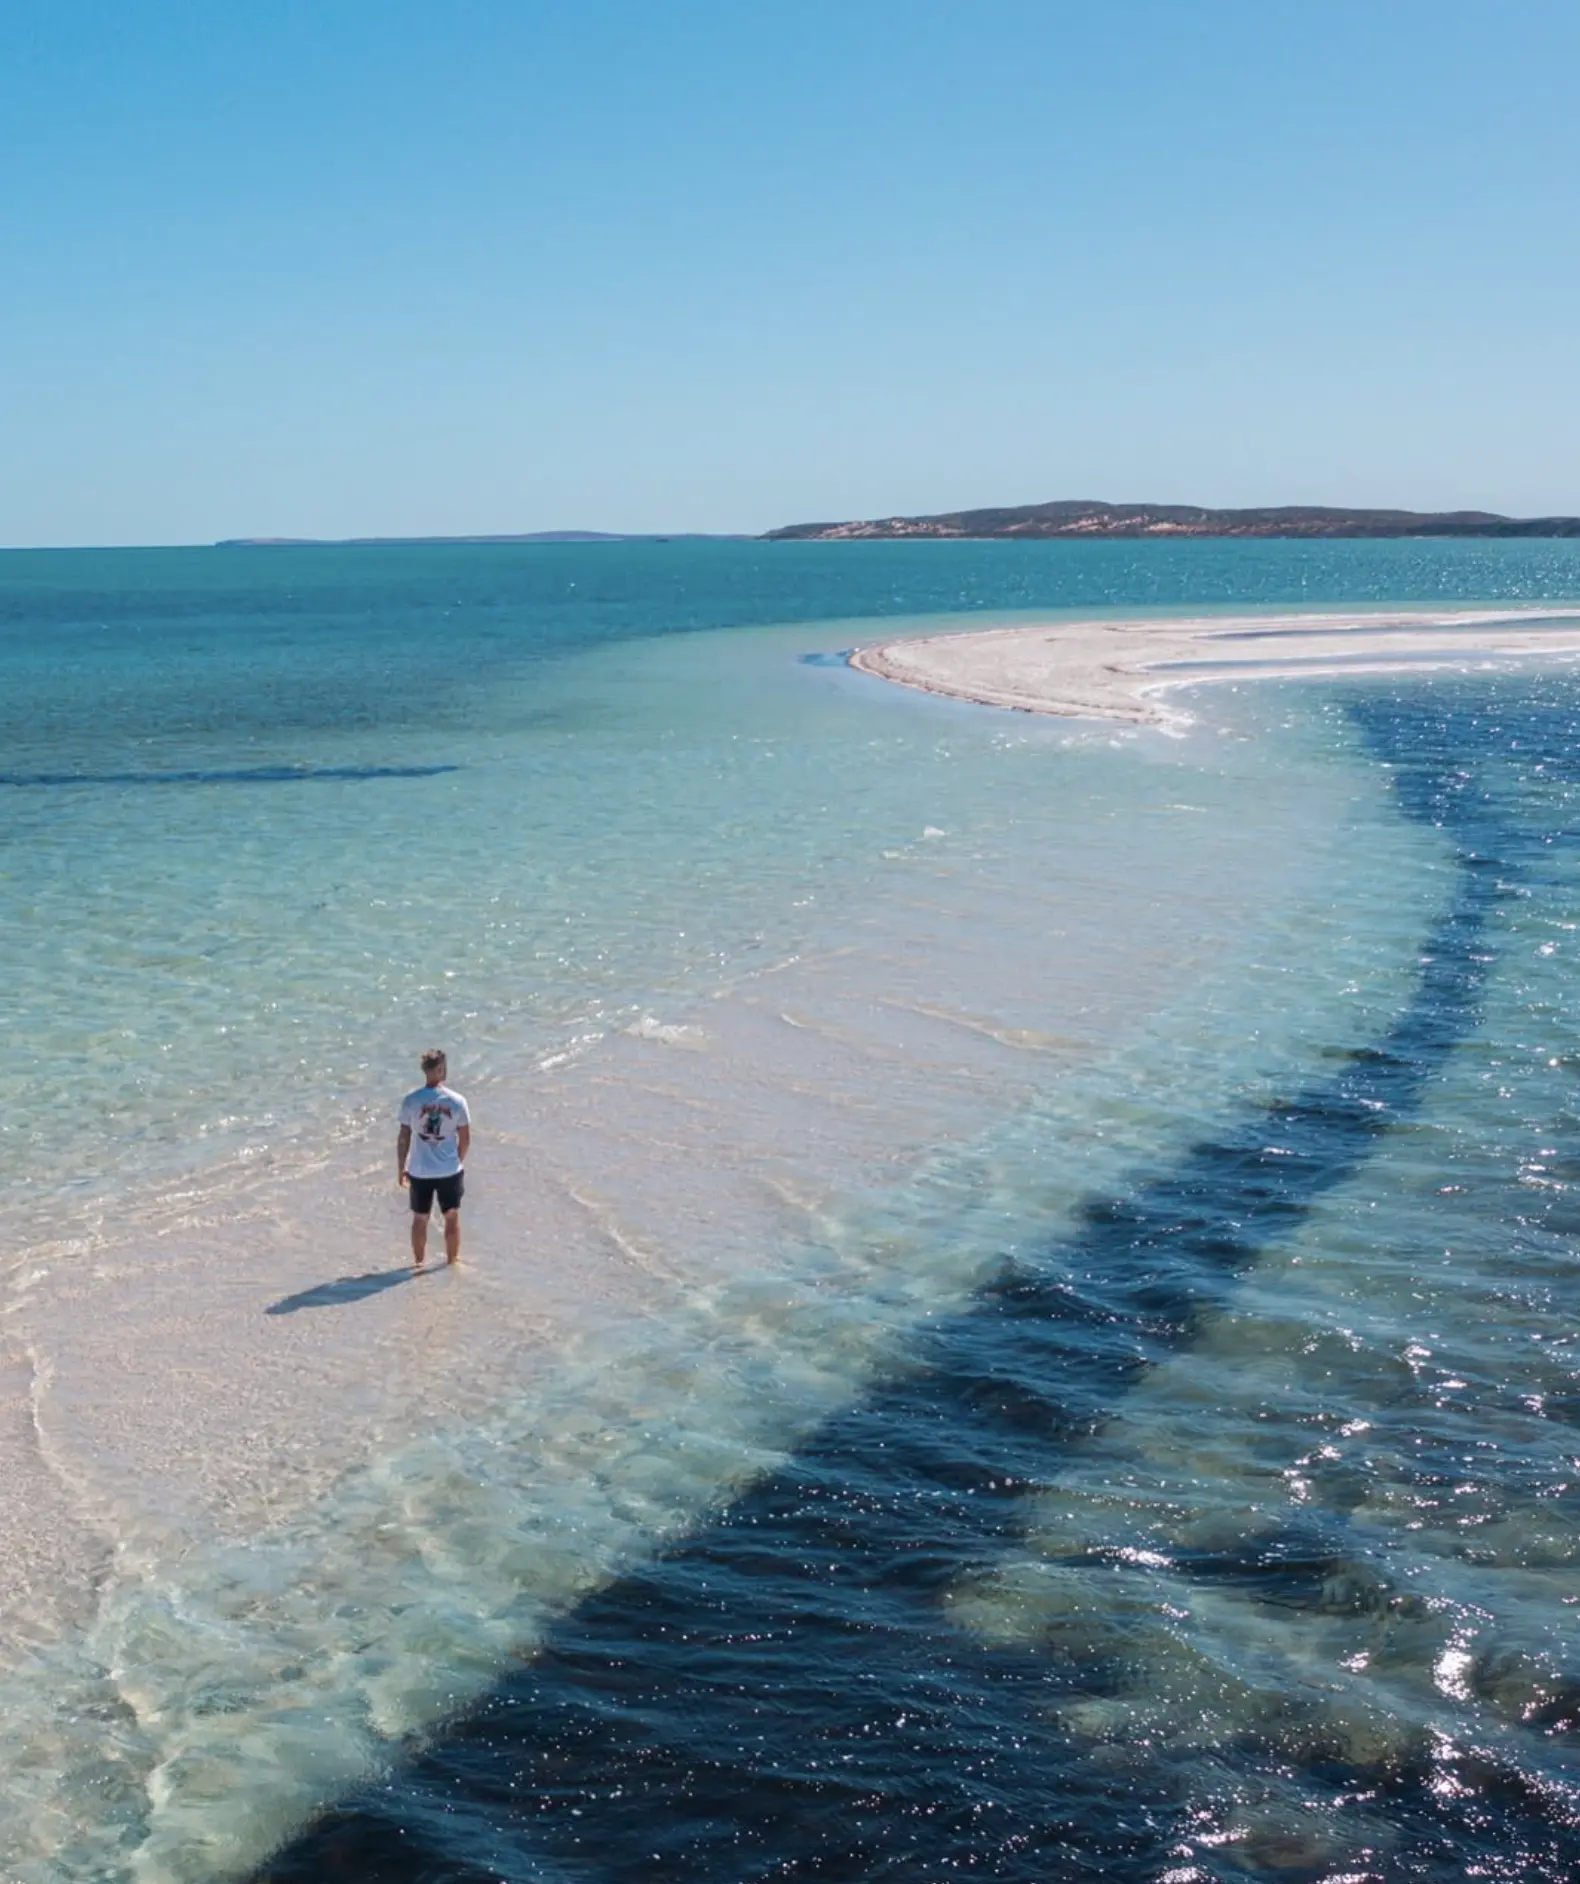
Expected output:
(1019, 1314)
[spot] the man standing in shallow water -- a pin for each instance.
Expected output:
(430, 1155)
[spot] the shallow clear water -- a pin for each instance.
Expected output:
(1017, 1316)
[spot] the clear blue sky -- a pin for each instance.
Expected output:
(330, 267)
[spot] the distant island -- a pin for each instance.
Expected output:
(1088, 519)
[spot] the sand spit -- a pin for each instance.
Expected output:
(1113, 669)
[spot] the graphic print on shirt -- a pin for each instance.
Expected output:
(435, 1118)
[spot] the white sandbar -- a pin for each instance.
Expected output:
(1114, 669)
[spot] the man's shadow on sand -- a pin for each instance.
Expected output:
(345, 1289)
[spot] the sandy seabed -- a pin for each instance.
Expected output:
(1116, 669)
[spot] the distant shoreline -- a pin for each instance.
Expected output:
(529, 536)
(1071, 520)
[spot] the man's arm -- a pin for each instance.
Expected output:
(463, 1141)
(402, 1146)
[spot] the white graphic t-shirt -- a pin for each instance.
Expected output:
(435, 1115)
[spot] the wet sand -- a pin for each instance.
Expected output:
(1117, 669)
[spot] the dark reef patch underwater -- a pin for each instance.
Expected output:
(226, 775)
(785, 1695)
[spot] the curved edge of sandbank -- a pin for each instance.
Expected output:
(1114, 669)
(892, 661)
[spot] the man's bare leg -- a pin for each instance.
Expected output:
(419, 1239)
(452, 1236)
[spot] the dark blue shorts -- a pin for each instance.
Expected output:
(447, 1189)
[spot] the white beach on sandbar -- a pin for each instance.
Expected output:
(1115, 669)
